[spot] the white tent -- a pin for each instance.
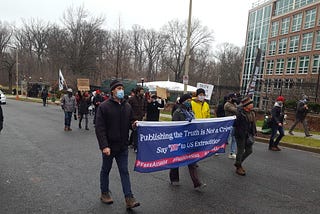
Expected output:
(170, 86)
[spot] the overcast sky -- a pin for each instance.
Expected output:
(227, 18)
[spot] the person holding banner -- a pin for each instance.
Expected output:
(114, 118)
(184, 113)
(200, 107)
(230, 109)
(245, 130)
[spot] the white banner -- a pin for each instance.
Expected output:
(207, 88)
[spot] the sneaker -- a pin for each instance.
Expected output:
(275, 149)
(216, 154)
(278, 149)
(174, 183)
(308, 135)
(131, 202)
(290, 132)
(106, 198)
(200, 187)
(232, 156)
(240, 171)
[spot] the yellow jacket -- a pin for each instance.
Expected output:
(200, 109)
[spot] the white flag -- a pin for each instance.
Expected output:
(61, 81)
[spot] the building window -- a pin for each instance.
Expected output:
(272, 48)
(306, 42)
(270, 66)
(291, 65)
(274, 29)
(303, 64)
(288, 83)
(294, 44)
(282, 46)
(310, 18)
(280, 66)
(317, 45)
(285, 26)
(315, 64)
(296, 22)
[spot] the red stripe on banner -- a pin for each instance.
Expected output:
(167, 161)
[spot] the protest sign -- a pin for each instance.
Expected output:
(165, 145)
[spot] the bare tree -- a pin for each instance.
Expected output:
(177, 32)
(136, 42)
(5, 38)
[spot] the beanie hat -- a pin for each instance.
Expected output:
(184, 98)
(246, 101)
(280, 98)
(232, 95)
(199, 91)
(114, 84)
(98, 91)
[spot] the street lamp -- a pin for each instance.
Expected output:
(142, 80)
(186, 78)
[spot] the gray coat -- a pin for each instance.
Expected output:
(68, 103)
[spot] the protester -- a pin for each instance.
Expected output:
(153, 111)
(199, 106)
(68, 104)
(245, 130)
(1, 118)
(44, 96)
(230, 109)
(277, 117)
(175, 106)
(184, 113)
(97, 100)
(114, 118)
(220, 109)
(139, 108)
(301, 114)
(83, 109)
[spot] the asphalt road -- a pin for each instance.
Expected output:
(46, 170)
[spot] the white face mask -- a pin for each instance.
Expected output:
(201, 98)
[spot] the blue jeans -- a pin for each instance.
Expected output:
(232, 141)
(122, 162)
(275, 129)
(67, 118)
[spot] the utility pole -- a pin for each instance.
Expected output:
(186, 73)
(17, 74)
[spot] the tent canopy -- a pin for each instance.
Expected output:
(170, 86)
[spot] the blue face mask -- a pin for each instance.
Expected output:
(187, 104)
(120, 94)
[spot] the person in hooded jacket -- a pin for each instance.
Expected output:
(184, 113)
(277, 117)
(113, 121)
(83, 108)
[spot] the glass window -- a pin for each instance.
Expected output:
(303, 64)
(272, 48)
(291, 65)
(315, 64)
(296, 22)
(288, 83)
(294, 44)
(285, 26)
(270, 66)
(282, 46)
(280, 66)
(306, 42)
(274, 29)
(310, 18)
(317, 45)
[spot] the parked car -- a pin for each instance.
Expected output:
(3, 99)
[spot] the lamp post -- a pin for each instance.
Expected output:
(188, 50)
(142, 80)
(17, 74)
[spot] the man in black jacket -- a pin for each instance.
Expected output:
(113, 121)
(153, 112)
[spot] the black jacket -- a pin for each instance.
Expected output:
(1, 118)
(277, 114)
(139, 106)
(153, 111)
(113, 122)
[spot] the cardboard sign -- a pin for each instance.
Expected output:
(83, 84)
(162, 92)
(207, 88)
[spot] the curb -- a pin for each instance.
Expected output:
(290, 145)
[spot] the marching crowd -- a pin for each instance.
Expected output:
(115, 114)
